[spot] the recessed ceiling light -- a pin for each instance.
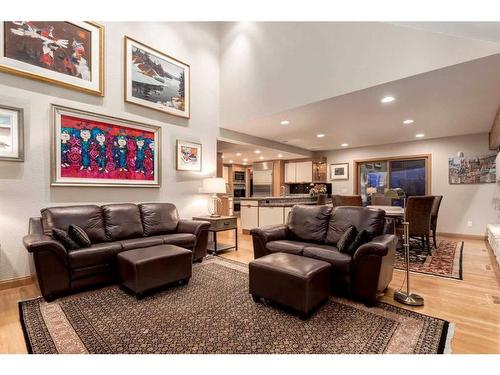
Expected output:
(409, 121)
(238, 154)
(420, 135)
(284, 122)
(387, 99)
(320, 135)
(222, 156)
(245, 159)
(280, 155)
(257, 151)
(261, 157)
(231, 161)
(244, 163)
(344, 144)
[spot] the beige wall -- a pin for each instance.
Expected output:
(461, 203)
(24, 187)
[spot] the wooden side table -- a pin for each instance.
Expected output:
(220, 224)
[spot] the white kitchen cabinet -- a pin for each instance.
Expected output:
(303, 171)
(225, 174)
(290, 173)
(285, 214)
(270, 216)
(249, 214)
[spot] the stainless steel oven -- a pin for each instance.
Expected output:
(239, 191)
(239, 177)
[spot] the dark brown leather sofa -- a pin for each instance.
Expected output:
(112, 229)
(313, 231)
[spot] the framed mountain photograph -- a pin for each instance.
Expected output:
(188, 156)
(69, 54)
(156, 80)
(90, 149)
(11, 134)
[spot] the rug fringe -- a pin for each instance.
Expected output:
(449, 337)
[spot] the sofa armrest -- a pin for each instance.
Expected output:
(261, 236)
(38, 242)
(192, 226)
(380, 245)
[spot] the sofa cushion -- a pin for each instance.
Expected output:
(88, 217)
(159, 218)
(347, 239)
(361, 217)
(309, 223)
(65, 239)
(136, 243)
(101, 253)
(186, 240)
(361, 238)
(122, 221)
(78, 235)
(339, 261)
(286, 246)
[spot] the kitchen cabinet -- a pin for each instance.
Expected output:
(225, 174)
(270, 216)
(285, 214)
(298, 172)
(249, 214)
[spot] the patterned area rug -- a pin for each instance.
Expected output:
(215, 314)
(445, 261)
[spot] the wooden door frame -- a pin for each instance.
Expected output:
(428, 168)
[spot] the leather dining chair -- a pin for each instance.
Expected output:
(418, 214)
(347, 200)
(380, 200)
(434, 216)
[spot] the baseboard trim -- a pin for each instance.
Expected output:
(16, 282)
(464, 236)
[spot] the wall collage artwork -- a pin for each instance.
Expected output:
(91, 149)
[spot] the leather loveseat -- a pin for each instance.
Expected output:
(111, 229)
(313, 231)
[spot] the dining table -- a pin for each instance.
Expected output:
(395, 212)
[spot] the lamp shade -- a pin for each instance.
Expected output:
(214, 185)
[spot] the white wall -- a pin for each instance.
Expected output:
(24, 187)
(460, 204)
(269, 67)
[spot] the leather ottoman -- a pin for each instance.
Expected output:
(294, 281)
(151, 267)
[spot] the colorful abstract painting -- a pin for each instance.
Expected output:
(188, 156)
(93, 150)
(156, 80)
(472, 170)
(56, 51)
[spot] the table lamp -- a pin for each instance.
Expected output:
(214, 186)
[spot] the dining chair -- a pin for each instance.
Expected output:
(380, 200)
(434, 216)
(347, 200)
(418, 215)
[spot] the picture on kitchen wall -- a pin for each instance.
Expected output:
(90, 149)
(339, 171)
(69, 54)
(11, 134)
(156, 80)
(188, 156)
(472, 170)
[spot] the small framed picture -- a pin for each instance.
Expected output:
(11, 134)
(91, 149)
(188, 156)
(339, 171)
(156, 80)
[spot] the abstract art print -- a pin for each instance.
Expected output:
(11, 134)
(472, 170)
(97, 150)
(188, 156)
(339, 171)
(156, 80)
(69, 54)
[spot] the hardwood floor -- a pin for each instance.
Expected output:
(473, 303)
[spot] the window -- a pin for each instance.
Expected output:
(374, 177)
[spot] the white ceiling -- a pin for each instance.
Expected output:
(247, 151)
(457, 100)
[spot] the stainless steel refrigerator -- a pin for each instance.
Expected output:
(263, 179)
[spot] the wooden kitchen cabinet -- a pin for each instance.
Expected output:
(270, 216)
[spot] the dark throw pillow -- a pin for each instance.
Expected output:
(361, 238)
(347, 239)
(78, 235)
(64, 238)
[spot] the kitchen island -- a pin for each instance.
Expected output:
(260, 211)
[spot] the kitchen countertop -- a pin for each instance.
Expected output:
(285, 201)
